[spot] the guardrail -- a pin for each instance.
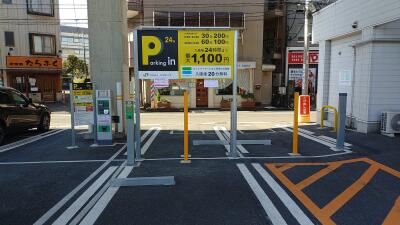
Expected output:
(336, 116)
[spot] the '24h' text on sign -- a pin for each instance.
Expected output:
(186, 54)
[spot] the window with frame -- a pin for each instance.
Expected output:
(7, 1)
(221, 19)
(206, 19)
(237, 19)
(41, 7)
(176, 88)
(42, 44)
(177, 19)
(192, 19)
(161, 18)
(9, 38)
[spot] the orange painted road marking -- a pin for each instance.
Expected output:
(301, 185)
(350, 192)
(394, 214)
(325, 213)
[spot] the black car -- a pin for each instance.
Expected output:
(19, 113)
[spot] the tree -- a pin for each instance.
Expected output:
(75, 67)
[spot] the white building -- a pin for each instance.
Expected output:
(359, 54)
(29, 48)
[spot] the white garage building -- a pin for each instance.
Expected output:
(359, 48)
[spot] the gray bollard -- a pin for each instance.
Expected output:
(342, 120)
(130, 134)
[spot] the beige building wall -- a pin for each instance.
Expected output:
(15, 18)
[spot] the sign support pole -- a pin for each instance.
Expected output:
(73, 135)
(137, 132)
(130, 138)
(233, 142)
(296, 126)
(94, 117)
(186, 128)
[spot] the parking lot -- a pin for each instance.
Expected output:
(42, 182)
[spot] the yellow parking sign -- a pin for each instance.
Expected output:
(206, 54)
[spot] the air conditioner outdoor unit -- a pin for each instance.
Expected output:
(390, 123)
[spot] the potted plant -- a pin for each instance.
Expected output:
(225, 103)
(249, 102)
(164, 103)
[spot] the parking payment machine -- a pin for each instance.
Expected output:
(104, 122)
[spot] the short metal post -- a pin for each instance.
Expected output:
(233, 145)
(342, 120)
(73, 134)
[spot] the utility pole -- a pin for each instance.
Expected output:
(306, 48)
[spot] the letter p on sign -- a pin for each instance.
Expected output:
(151, 46)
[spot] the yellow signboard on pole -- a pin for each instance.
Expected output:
(206, 54)
(186, 54)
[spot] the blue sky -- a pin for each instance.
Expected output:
(73, 12)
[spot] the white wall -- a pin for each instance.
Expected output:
(371, 52)
(336, 19)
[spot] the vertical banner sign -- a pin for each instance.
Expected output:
(304, 109)
(83, 103)
(206, 54)
(186, 54)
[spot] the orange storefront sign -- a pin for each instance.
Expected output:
(304, 109)
(33, 62)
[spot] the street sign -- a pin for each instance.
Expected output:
(83, 103)
(186, 54)
(304, 109)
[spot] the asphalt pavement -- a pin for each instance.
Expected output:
(43, 182)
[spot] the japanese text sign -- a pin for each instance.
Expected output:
(33, 62)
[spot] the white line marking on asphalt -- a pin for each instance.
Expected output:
(305, 131)
(43, 219)
(345, 152)
(28, 140)
(333, 140)
(269, 207)
(228, 134)
(150, 141)
(253, 122)
(102, 203)
(151, 124)
(222, 138)
(144, 136)
(55, 162)
(82, 213)
(81, 201)
(331, 145)
(293, 208)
